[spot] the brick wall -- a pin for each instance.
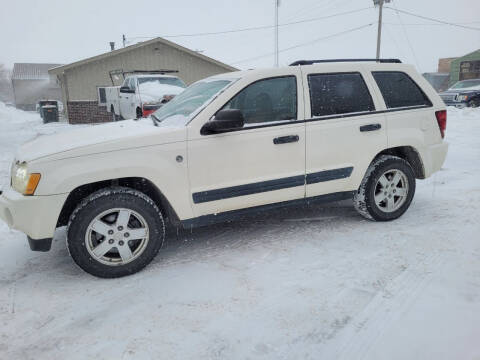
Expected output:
(87, 112)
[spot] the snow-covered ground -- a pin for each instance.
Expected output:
(309, 283)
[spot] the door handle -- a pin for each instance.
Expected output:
(370, 127)
(286, 139)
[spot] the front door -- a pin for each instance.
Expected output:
(344, 133)
(262, 163)
(126, 100)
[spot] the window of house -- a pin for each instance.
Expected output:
(267, 100)
(101, 96)
(344, 93)
(399, 90)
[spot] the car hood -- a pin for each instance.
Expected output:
(151, 92)
(464, 90)
(99, 139)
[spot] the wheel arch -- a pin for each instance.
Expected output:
(409, 154)
(138, 183)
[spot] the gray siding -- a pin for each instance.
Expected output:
(28, 92)
(82, 80)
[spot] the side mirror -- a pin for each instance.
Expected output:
(224, 120)
(126, 89)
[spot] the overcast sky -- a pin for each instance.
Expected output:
(63, 31)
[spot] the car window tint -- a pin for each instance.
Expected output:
(267, 100)
(332, 94)
(399, 90)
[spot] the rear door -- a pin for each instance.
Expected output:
(343, 131)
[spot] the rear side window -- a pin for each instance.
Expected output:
(399, 90)
(344, 93)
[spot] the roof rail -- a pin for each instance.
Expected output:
(310, 62)
(124, 72)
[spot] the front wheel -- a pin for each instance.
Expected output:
(387, 189)
(474, 103)
(115, 232)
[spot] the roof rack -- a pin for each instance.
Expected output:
(124, 72)
(310, 62)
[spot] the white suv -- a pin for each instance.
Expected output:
(230, 145)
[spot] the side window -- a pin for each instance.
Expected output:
(126, 82)
(267, 100)
(132, 84)
(332, 94)
(399, 90)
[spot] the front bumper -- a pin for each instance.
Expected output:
(459, 105)
(36, 216)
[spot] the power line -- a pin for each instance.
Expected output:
(406, 36)
(429, 24)
(256, 27)
(305, 44)
(432, 19)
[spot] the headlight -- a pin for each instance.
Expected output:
(22, 181)
(462, 97)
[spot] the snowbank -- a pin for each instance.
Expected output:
(16, 128)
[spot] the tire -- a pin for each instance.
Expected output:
(114, 116)
(101, 246)
(139, 113)
(474, 103)
(377, 185)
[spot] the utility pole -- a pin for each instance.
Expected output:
(277, 4)
(379, 32)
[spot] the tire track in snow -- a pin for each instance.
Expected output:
(385, 309)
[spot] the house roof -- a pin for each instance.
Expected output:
(31, 71)
(61, 69)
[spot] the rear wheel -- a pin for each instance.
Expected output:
(115, 232)
(139, 113)
(114, 116)
(386, 190)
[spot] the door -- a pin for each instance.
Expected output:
(344, 133)
(262, 163)
(126, 100)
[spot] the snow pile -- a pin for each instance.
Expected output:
(16, 128)
(318, 282)
(157, 90)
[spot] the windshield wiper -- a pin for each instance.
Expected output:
(155, 120)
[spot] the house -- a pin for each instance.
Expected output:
(465, 67)
(31, 82)
(461, 68)
(80, 81)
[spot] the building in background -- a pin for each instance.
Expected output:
(438, 80)
(466, 67)
(31, 82)
(81, 82)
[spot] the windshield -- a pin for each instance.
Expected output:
(162, 80)
(186, 105)
(466, 84)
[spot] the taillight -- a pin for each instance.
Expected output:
(442, 121)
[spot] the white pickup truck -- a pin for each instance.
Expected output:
(140, 95)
